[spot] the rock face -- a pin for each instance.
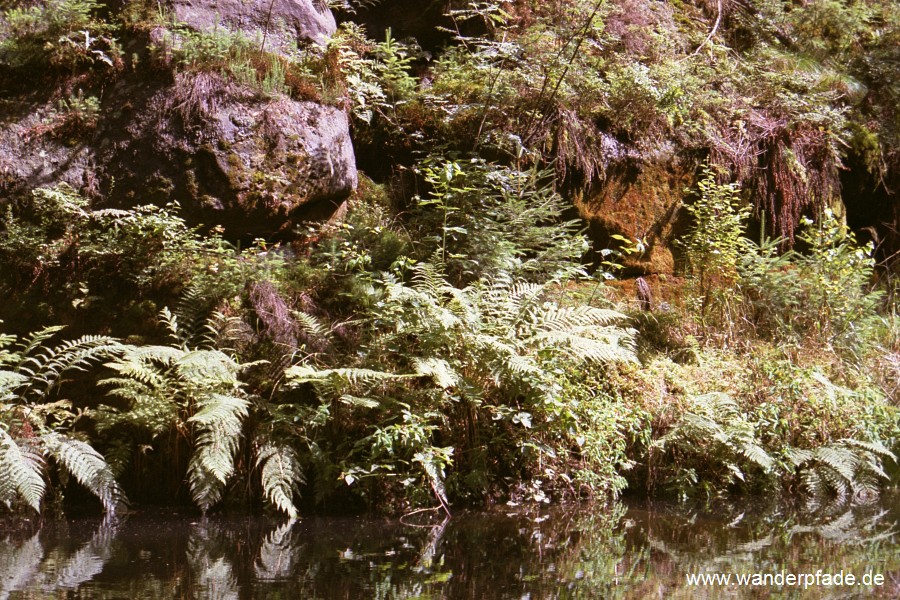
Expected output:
(232, 156)
(281, 22)
(253, 165)
(639, 199)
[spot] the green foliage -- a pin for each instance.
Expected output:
(185, 389)
(717, 443)
(838, 301)
(846, 469)
(77, 114)
(63, 258)
(463, 370)
(712, 446)
(65, 34)
(393, 65)
(484, 218)
(34, 427)
(714, 245)
(824, 292)
(280, 475)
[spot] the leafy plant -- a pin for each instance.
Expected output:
(482, 364)
(845, 469)
(192, 389)
(712, 445)
(61, 33)
(714, 244)
(34, 427)
(485, 218)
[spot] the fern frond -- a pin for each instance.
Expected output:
(206, 488)
(219, 422)
(215, 332)
(755, 453)
(310, 325)
(428, 278)
(305, 374)
(841, 460)
(87, 466)
(555, 318)
(36, 339)
(208, 368)
(439, 370)
(21, 472)
(461, 304)
(47, 366)
(280, 475)
(875, 447)
(170, 322)
(615, 346)
(798, 456)
(191, 315)
(166, 355)
(359, 401)
(10, 380)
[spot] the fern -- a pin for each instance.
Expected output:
(88, 467)
(218, 423)
(714, 431)
(34, 425)
(43, 366)
(280, 475)
(21, 473)
(337, 378)
(841, 469)
(481, 364)
(186, 389)
(439, 370)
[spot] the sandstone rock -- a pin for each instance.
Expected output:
(281, 22)
(231, 156)
(249, 163)
(639, 199)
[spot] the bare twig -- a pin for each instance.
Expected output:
(711, 33)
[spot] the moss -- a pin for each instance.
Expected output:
(640, 202)
(190, 182)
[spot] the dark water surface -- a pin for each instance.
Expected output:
(635, 551)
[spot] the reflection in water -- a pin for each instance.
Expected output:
(26, 565)
(584, 552)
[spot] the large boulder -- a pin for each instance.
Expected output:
(253, 162)
(255, 165)
(283, 23)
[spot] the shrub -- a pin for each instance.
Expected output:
(483, 218)
(469, 383)
(714, 246)
(823, 293)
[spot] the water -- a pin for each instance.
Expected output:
(639, 551)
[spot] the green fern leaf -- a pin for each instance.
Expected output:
(219, 423)
(280, 475)
(310, 325)
(21, 472)
(439, 370)
(875, 447)
(87, 466)
(841, 460)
